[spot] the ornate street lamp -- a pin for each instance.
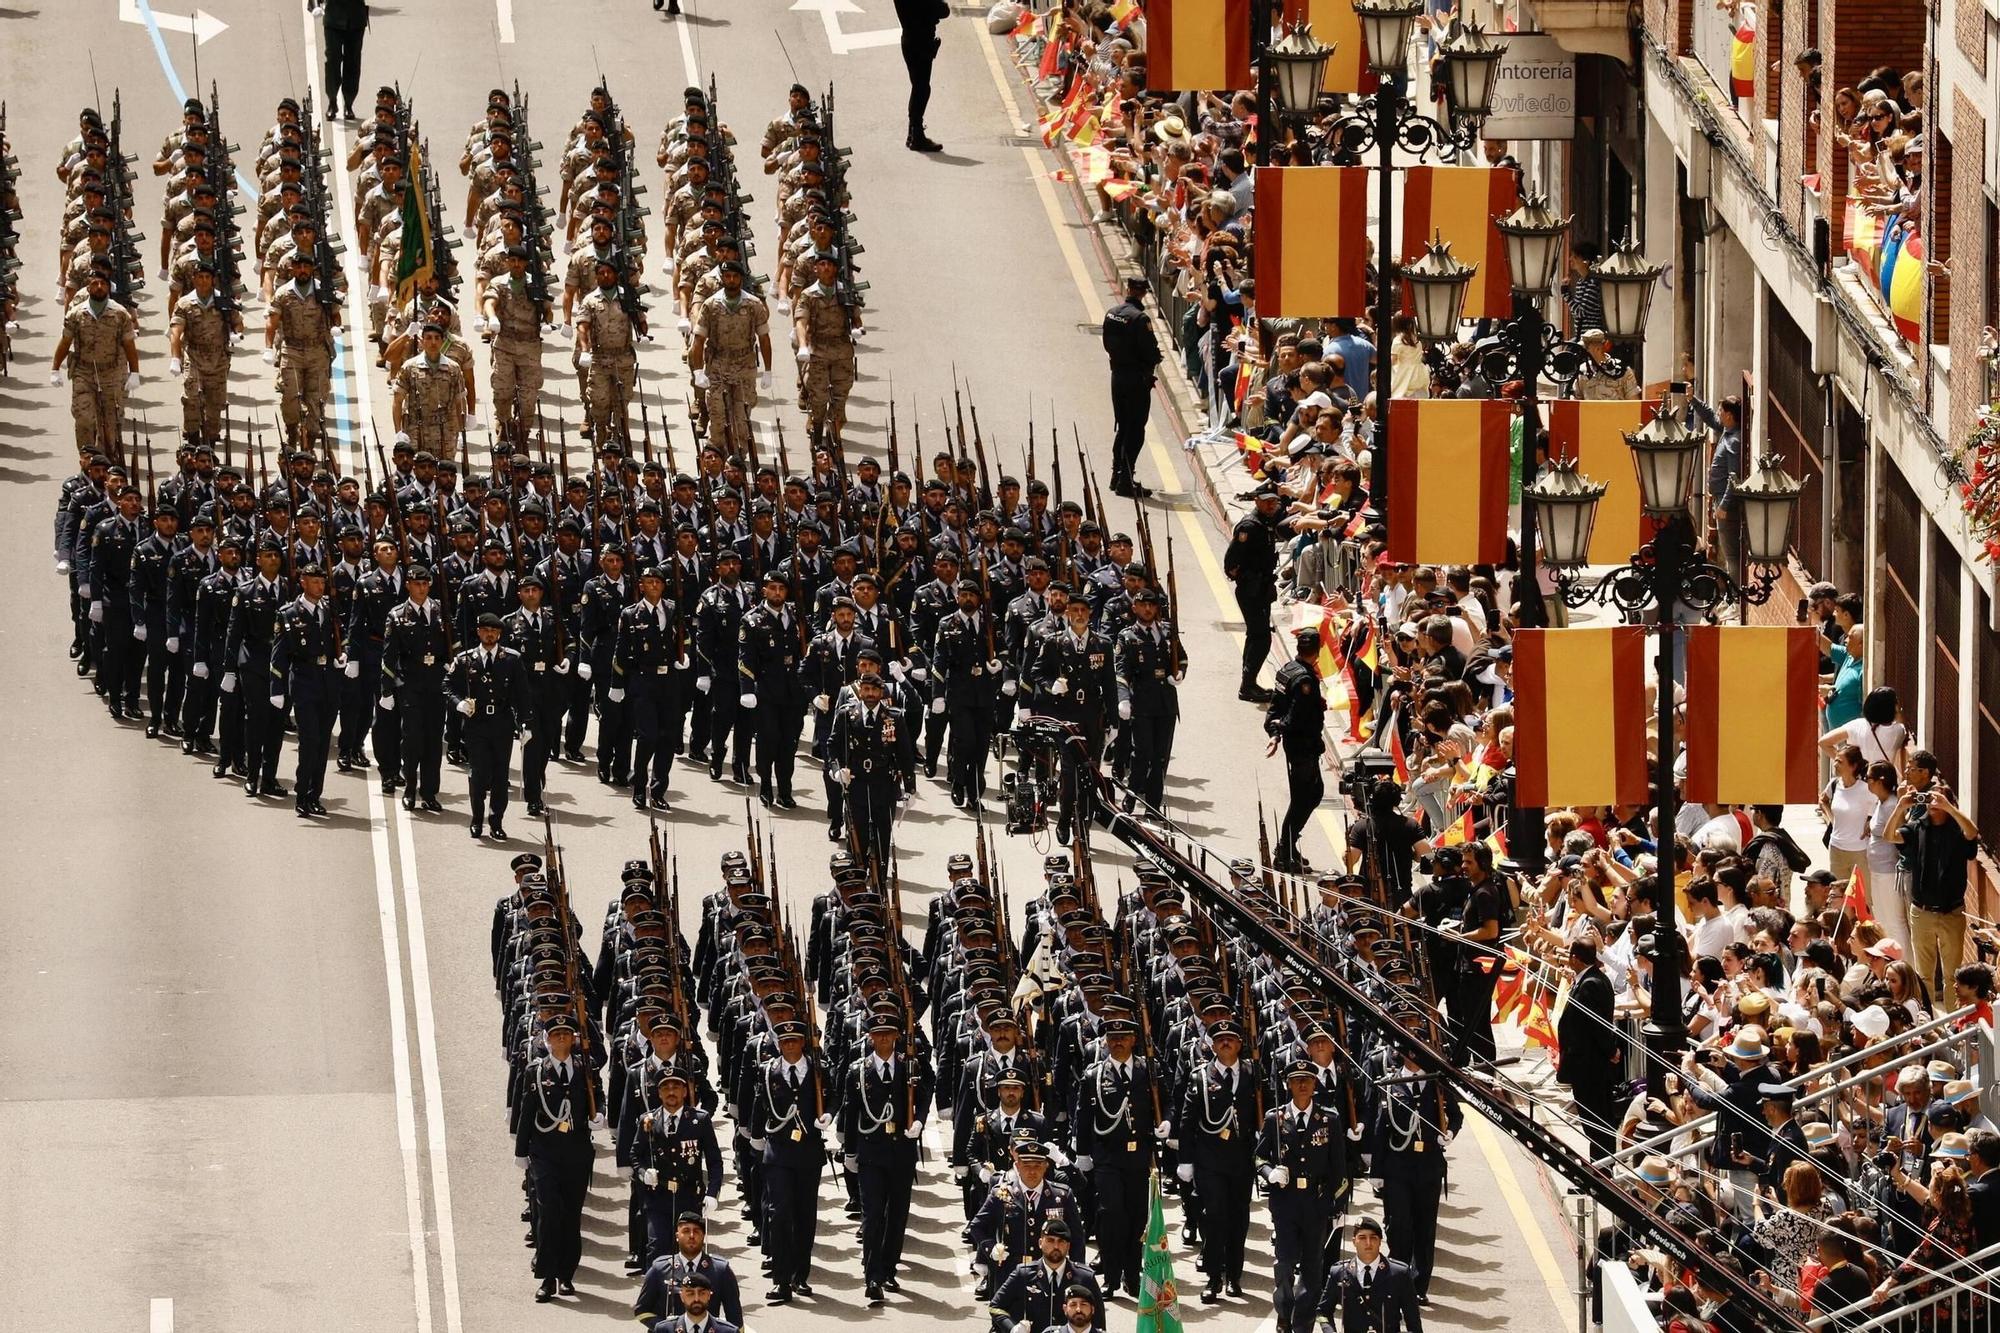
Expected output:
(1385, 25)
(1471, 59)
(1565, 503)
(1665, 454)
(1767, 502)
(1626, 282)
(1437, 284)
(1535, 236)
(1298, 60)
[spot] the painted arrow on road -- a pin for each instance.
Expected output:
(843, 42)
(203, 25)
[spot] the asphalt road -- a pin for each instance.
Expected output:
(251, 1076)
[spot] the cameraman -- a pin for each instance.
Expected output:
(1488, 910)
(1395, 839)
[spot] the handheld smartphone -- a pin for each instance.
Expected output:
(1677, 386)
(1804, 610)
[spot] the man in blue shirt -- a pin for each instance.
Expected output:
(1356, 352)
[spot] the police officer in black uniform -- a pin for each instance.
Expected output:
(676, 1160)
(1218, 1125)
(718, 625)
(148, 587)
(872, 759)
(885, 1097)
(113, 542)
(253, 623)
(207, 706)
(1296, 719)
(1075, 682)
(488, 688)
(967, 673)
(643, 665)
(303, 655)
(787, 1120)
(415, 644)
(1302, 1156)
(560, 1103)
(599, 607)
(770, 642)
(1150, 662)
(529, 631)
(1135, 355)
(1116, 1103)
(1251, 563)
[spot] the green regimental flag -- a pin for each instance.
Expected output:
(413, 265)
(1159, 1295)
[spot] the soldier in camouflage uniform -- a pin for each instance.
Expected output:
(298, 340)
(198, 349)
(605, 338)
(824, 329)
(731, 357)
(514, 323)
(430, 396)
(100, 342)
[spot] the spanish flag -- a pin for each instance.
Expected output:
(1198, 45)
(1864, 241)
(1334, 24)
(1855, 904)
(1309, 227)
(1539, 1028)
(1593, 434)
(1397, 755)
(1460, 830)
(1460, 205)
(1580, 716)
(1906, 288)
(1449, 468)
(1743, 55)
(1752, 714)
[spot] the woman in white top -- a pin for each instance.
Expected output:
(1888, 899)
(1881, 738)
(1409, 377)
(1846, 804)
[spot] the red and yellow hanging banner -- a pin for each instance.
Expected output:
(1307, 252)
(1593, 434)
(1752, 715)
(1335, 24)
(1450, 463)
(1580, 716)
(1197, 45)
(1461, 204)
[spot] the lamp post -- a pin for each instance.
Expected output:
(1667, 573)
(1387, 120)
(1291, 69)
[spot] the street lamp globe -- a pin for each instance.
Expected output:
(1665, 454)
(1767, 501)
(1535, 238)
(1437, 284)
(1626, 281)
(1298, 64)
(1565, 504)
(1385, 26)
(1471, 58)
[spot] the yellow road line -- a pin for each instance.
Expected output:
(1524, 1220)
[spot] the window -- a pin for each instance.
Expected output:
(1941, 733)
(1986, 721)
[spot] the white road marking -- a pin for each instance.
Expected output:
(504, 15)
(163, 1314)
(378, 821)
(203, 24)
(691, 72)
(427, 1063)
(843, 42)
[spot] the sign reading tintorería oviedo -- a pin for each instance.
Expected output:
(1534, 94)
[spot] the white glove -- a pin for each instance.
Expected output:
(527, 736)
(337, 331)
(278, 702)
(1164, 1130)
(746, 700)
(915, 1129)
(62, 566)
(986, 1175)
(1085, 1162)
(823, 1124)
(1008, 688)
(903, 801)
(784, 306)
(1354, 1133)
(896, 671)
(378, 294)
(1000, 1253)
(683, 662)
(387, 703)
(764, 380)
(919, 674)
(701, 379)
(521, 1163)
(1444, 1139)
(702, 683)
(562, 667)
(937, 708)
(615, 694)
(820, 702)
(1281, 1176)
(201, 671)
(684, 327)
(993, 665)
(708, 1207)
(1124, 710)
(174, 366)
(851, 1162)
(1060, 686)
(1022, 1327)
(131, 381)
(173, 644)
(56, 378)
(583, 671)
(352, 670)
(805, 355)
(402, 437)
(97, 613)
(597, 1121)
(842, 777)
(1184, 1172)
(858, 331)
(961, 1173)
(139, 633)
(472, 421)
(83, 590)
(270, 356)
(467, 708)
(649, 1177)
(583, 360)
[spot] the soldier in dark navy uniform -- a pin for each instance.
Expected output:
(253, 623)
(189, 568)
(559, 1105)
(1370, 1293)
(304, 665)
(676, 1161)
(771, 641)
(644, 666)
(659, 1290)
(415, 644)
(1151, 662)
(147, 586)
(564, 573)
(967, 671)
(1415, 1120)
(1302, 1156)
(488, 688)
(376, 594)
(1220, 1114)
(695, 1293)
(1076, 683)
(885, 1097)
(687, 580)
(1032, 1295)
(1022, 1203)
(207, 705)
(599, 607)
(121, 657)
(788, 1119)
(983, 1140)
(1251, 563)
(718, 627)
(1296, 722)
(1114, 1135)
(530, 632)
(831, 660)
(874, 763)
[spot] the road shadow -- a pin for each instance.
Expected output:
(955, 159)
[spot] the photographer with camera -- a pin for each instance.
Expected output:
(1938, 842)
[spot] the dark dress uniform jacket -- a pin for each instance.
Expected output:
(1033, 1293)
(413, 651)
(497, 687)
(1388, 1305)
(1146, 666)
(660, 1289)
(1093, 684)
